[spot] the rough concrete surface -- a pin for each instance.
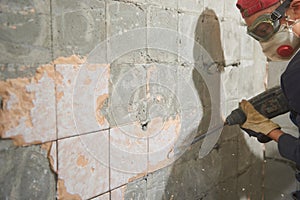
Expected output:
(218, 176)
(25, 32)
(25, 173)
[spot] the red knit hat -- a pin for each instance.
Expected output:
(250, 7)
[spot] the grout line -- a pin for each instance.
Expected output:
(56, 174)
(148, 168)
(56, 118)
(107, 21)
(51, 30)
(147, 26)
(107, 192)
(63, 138)
(77, 135)
(56, 130)
(55, 90)
(178, 27)
(148, 13)
(109, 166)
(107, 43)
(120, 186)
(148, 10)
(98, 195)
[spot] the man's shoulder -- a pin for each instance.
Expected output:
(292, 67)
(294, 63)
(290, 82)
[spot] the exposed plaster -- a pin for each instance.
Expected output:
(73, 60)
(100, 102)
(82, 161)
(63, 194)
(17, 104)
(23, 99)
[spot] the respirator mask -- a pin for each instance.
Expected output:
(278, 42)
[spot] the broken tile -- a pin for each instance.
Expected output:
(52, 156)
(80, 97)
(128, 154)
(51, 150)
(28, 114)
(83, 165)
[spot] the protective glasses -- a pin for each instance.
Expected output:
(266, 25)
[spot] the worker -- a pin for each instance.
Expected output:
(276, 26)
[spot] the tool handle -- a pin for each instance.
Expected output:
(270, 103)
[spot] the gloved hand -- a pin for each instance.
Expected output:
(259, 136)
(256, 121)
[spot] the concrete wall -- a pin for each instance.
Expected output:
(116, 91)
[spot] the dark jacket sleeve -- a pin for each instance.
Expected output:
(290, 83)
(289, 147)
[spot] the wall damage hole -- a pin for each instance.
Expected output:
(144, 125)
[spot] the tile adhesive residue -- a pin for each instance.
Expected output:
(28, 116)
(27, 103)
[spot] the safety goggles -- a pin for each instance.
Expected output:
(266, 25)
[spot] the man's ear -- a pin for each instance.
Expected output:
(295, 9)
(295, 3)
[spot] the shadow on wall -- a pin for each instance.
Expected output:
(230, 170)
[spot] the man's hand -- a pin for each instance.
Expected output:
(259, 136)
(255, 121)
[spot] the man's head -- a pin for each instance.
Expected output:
(250, 7)
(270, 22)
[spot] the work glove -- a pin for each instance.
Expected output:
(259, 136)
(256, 122)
